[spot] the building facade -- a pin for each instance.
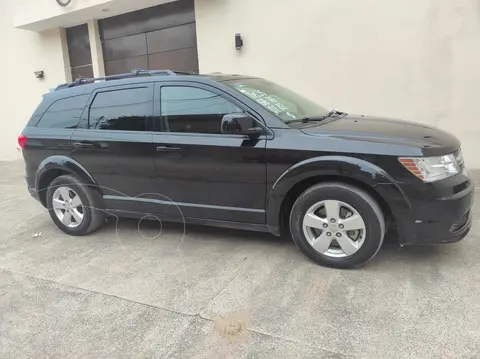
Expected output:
(412, 59)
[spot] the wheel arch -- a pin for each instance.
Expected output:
(353, 171)
(55, 166)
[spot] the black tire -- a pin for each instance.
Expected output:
(93, 215)
(361, 201)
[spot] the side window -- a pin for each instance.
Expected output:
(193, 110)
(64, 113)
(121, 110)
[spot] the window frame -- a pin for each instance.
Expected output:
(159, 121)
(37, 124)
(85, 118)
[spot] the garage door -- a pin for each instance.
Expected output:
(160, 37)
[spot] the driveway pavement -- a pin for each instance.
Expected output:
(129, 291)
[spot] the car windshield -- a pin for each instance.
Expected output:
(283, 103)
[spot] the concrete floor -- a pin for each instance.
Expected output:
(214, 293)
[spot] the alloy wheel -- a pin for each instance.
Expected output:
(68, 207)
(334, 228)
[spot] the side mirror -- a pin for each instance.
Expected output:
(241, 124)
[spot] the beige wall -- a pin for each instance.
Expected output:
(413, 59)
(20, 92)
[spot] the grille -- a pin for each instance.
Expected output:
(459, 157)
(460, 223)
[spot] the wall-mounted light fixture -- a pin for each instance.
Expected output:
(238, 41)
(39, 74)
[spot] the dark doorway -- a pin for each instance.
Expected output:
(79, 51)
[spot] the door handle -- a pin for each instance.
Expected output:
(82, 145)
(167, 149)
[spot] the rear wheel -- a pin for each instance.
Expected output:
(337, 225)
(75, 208)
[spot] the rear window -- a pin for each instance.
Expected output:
(37, 115)
(64, 113)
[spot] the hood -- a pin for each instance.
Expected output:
(385, 130)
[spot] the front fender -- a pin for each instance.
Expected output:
(335, 166)
(65, 164)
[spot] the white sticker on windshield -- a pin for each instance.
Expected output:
(264, 99)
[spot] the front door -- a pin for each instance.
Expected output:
(200, 171)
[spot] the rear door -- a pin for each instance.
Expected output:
(114, 143)
(201, 171)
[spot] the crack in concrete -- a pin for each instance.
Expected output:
(192, 316)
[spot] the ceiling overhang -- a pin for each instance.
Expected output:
(40, 15)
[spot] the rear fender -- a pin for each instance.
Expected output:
(64, 164)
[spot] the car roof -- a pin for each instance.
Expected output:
(77, 89)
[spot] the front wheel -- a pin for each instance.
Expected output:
(337, 225)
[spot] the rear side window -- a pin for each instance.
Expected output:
(64, 113)
(122, 110)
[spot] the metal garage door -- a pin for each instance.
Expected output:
(160, 37)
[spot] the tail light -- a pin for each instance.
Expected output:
(22, 141)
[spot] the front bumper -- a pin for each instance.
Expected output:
(440, 212)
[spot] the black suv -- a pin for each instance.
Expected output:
(242, 152)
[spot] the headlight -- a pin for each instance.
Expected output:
(430, 169)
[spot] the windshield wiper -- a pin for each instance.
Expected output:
(331, 114)
(307, 119)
